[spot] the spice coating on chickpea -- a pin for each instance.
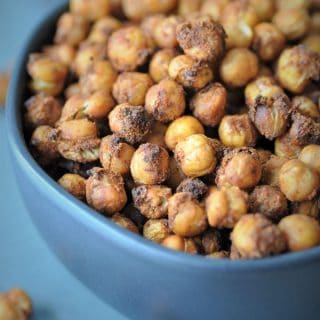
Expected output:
(194, 186)
(156, 230)
(124, 222)
(74, 184)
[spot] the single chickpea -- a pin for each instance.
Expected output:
(309, 208)
(189, 72)
(77, 129)
(241, 168)
(116, 155)
(157, 134)
(105, 191)
(149, 164)
(131, 87)
(150, 22)
(194, 186)
(186, 7)
(124, 222)
(74, 89)
(285, 147)
(91, 9)
(186, 216)
(254, 236)
(236, 131)
(196, 155)
(179, 243)
(306, 106)
(208, 105)
(128, 48)
(74, 184)
(181, 128)
(175, 175)
(298, 181)
(302, 232)
(131, 123)
(202, 39)
(264, 9)
(271, 170)
(71, 108)
(312, 42)
(103, 28)
(211, 241)
(213, 9)
(238, 67)
(61, 52)
(165, 101)
(156, 230)
(310, 155)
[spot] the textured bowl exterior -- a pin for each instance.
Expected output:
(140, 279)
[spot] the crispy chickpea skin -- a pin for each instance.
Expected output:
(152, 200)
(208, 105)
(74, 184)
(131, 123)
(103, 28)
(150, 164)
(194, 186)
(175, 174)
(302, 232)
(157, 134)
(238, 67)
(296, 67)
(285, 147)
(186, 215)
(310, 155)
(196, 155)
(202, 39)
(189, 72)
(181, 128)
(115, 154)
(128, 48)
(165, 101)
(156, 230)
(241, 168)
(124, 222)
(236, 131)
(297, 181)
(271, 170)
(224, 207)
(175, 242)
(213, 9)
(254, 236)
(306, 107)
(105, 191)
(132, 87)
(91, 9)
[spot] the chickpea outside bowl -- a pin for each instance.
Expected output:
(136, 276)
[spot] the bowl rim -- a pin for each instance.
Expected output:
(105, 227)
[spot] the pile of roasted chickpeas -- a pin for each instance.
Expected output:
(193, 123)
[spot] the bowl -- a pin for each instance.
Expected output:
(140, 279)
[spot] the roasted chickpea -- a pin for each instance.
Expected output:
(194, 186)
(62, 52)
(128, 48)
(238, 67)
(72, 109)
(213, 8)
(165, 101)
(298, 181)
(74, 184)
(271, 170)
(131, 123)
(202, 39)
(211, 241)
(189, 72)
(157, 134)
(208, 105)
(91, 9)
(175, 175)
(285, 147)
(309, 208)
(181, 128)
(159, 64)
(156, 230)
(254, 236)
(132, 87)
(310, 155)
(196, 155)
(186, 216)
(301, 232)
(186, 7)
(264, 9)
(237, 131)
(306, 106)
(77, 129)
(124, 222)
(312, 42)
(264, 155)
(150, 22)
(103, 28)
(225, 206)
(74, 89)
(175, 242)
(149, 164)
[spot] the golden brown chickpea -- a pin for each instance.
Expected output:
(62, 52)
(315, 22)
(175, 175)
(309, 208)
(306, 106)
(211, 241)
(115, 155)
(310, 155)
(238, 67)
(128, 48)
(236, 131)
(241, 168)
(42, 110)
(271, 169)
(186, 7)
(254, 236)
(301, 232)
(312, 42)
(150, 22)
(213, 8)
(90, 9)
(152, 201)
(74, 184)
(300, 4)
(131, 123)
(165, 101)
(298, 181)
(186, 216)
(225, 206)
(73, 89)
(196, 155)
(157, 134)
(264, 155)
(71, 29)
(71, 108)
(77, 129)
(105, 191)
(189, 72)
(132, 87)
(103, 28)
(202, 39)
(124, 222)
(268, 41)
(208, 105)
(264, 9)
(286, 148)
(150, 164)
(175, 242)
(156, 230)
(181, 128)
(194, 186)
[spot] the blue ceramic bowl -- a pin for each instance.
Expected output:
(142, 280)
